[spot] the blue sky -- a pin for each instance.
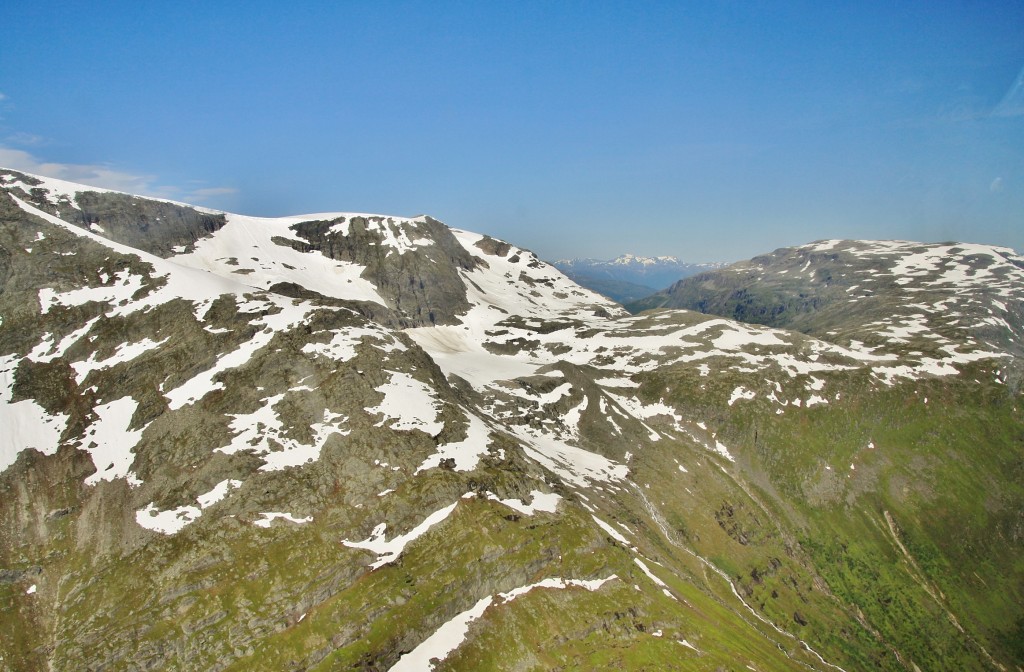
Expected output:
(706, 130)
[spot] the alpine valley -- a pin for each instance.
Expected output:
(344, 441)
(629, 278)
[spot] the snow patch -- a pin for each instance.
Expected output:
(125, 352)
(452, 634)
(539, 501)
(575, 466)
(741, 393)
(650, 575)
(387, 550)
(110, 443)
(254, 236)
(270, 516)
(46, 351)
(174, 520)
(217, 493)
(408, 404)
(342, 346)
(465, 453)
(25, 423)
(263, 433)
(125, 285)
(611, 531)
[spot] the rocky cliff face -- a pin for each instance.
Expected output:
(348, 441)
(157, 227)
(414, 263)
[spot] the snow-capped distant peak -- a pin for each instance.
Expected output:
(641, 275)
(634, 260)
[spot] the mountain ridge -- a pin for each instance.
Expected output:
(820, 287)
(366, 441)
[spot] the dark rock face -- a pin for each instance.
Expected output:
(10, 215)
(5, 267)
(498, 248)
(152, 226)
(424, 288)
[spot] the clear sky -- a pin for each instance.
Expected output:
(706, 130)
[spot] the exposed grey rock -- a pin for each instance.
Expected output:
(146, 224)
(152, 226)
(424, 288)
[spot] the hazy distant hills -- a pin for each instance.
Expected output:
(353, 441)
(628, 277)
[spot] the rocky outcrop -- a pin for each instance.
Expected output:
(158, 227)
(423, 287)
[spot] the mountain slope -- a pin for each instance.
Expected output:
(351, 441)
(840, 288)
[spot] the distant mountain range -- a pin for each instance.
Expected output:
(359, 442)
(628, 277)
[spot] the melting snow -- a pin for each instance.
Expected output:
(395, 235)
(735, 336)
(616, 382)
(611, 531)
(408, 404)
(25, 423)
(290, 315)
(722, 450)
(453, 633)
(125, 352)
(278, 263)
(815, 399)
(467, 452)
(342, 346)
(219, 492)
(270, 516)
(110, 443)
(539, 501)
(46, 351)
(388, 550)
(443, 641)
(576, 466)
(174, 520)
(176, 281)
(459, 353)
(263, 433)
(125, 285)
(661, 584)
(646, 570)
(741, 393)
